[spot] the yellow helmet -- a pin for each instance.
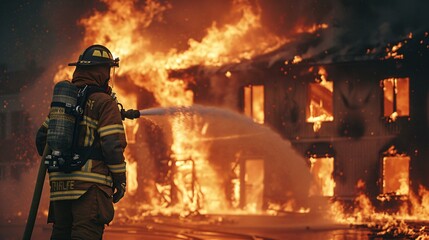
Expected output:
(96, 55)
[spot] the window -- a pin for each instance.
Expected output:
(321, 169)
(396, 97)
(396, 169)
(320, 101)
(254, 102)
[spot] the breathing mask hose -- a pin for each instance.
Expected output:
(36, 196)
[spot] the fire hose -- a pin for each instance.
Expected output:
(36, 196)
(125, 114)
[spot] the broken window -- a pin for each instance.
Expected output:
(321, 169)
(395, 173)
(396, 97)
(320, 101)
(254, 102)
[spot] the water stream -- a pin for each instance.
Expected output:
(234, 137)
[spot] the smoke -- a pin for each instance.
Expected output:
(379, 21)
(354, 26)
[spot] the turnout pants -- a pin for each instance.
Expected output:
(83, 218)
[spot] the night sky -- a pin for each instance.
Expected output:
(33, 31)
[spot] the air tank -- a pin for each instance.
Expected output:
(61, 118)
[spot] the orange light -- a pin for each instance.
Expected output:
(321, 169)
(312, 29)
(320, 100)
(254, 103)
(396, 97)
(393, 52)
(296, 59)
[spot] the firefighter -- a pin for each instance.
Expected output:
(82, 200)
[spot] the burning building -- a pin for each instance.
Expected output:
(321, 118)
(274, 106)
(359, 118)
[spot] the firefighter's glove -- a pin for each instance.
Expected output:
(119, 187)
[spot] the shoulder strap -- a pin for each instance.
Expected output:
(83, 95)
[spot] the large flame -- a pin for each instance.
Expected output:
(121, 27)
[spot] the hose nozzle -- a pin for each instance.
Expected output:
(130, 114)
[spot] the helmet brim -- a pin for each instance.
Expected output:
(114, 63)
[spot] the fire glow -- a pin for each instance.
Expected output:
(320, 107)
(386, 223)
(121, 27)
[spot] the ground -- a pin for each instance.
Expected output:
(293, 226)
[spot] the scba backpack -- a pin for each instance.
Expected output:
(65, 114)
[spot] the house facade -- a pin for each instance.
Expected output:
(362, 125)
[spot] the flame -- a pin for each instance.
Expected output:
(385, 223)
(194, 176)
(323, 181)
(396, 97)
(296, 59)
(228, 74)
(121, 27)
(395, 173)
(320, 103)
(312, 29)
(393, 51)
(132, 183)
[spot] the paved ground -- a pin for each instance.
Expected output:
(214, 227)
(142, 232)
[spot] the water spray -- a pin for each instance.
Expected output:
(133, 114)
(185, 110)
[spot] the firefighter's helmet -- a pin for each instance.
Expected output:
(96, 55)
